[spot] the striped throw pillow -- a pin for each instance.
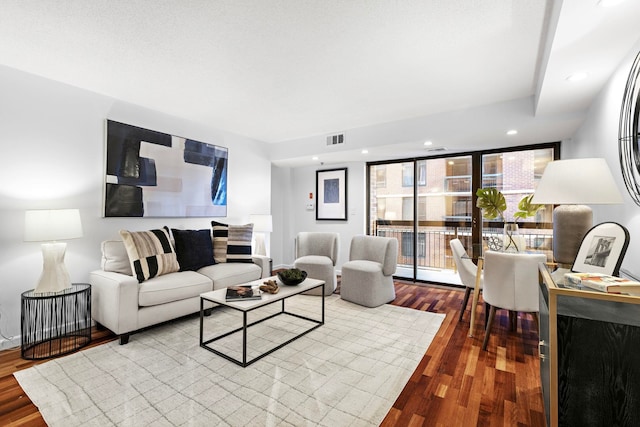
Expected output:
(232, 243)
(150, 253)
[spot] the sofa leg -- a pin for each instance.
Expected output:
(207, 312)
(124, 338)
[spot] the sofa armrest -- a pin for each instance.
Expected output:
(114, 300)
(264, 262)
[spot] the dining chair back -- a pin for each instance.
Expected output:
(467, 270)
(510, 282)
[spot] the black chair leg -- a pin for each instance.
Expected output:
(465, 300)
(487, 331)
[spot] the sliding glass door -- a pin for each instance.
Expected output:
(424, 203)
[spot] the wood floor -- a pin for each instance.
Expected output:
(455, 384)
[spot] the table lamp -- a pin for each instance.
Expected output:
(50, 226)
(262, 224)
(572, 184)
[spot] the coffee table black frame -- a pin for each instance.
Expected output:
(249, 306)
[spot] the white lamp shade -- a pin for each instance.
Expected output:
(577, 182)
(52, 225)
(261, 223)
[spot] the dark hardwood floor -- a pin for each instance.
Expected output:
(455, 384)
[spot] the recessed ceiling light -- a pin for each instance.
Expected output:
(609, 3)
(576, 77)
(365, 151)
(512, 132)
(314, 158)
(428, 143)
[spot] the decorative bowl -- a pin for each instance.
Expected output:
(292, 276)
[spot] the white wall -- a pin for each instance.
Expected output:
(598, 137)
(290, 196)
(52, 142)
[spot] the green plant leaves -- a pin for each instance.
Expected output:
(492, 203)
(526, 208)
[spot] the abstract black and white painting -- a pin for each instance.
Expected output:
(331, 194)
(155, 174)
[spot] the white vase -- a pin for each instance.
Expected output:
(511, 241)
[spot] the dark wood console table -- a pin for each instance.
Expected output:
(589, 362)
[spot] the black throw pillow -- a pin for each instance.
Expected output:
(194, 248)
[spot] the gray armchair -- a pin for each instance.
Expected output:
(317, 253)
(367, 278)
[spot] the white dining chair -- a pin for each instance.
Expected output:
(467, 270)
(510, 282)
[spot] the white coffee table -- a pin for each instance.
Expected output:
(219, 297)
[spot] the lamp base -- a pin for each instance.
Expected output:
(570, 224)
(261, 248)
(54, 277)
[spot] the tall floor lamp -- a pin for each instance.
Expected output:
(50, 226)
(573, 184)
(262, 224)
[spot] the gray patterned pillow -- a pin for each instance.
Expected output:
(232, 243)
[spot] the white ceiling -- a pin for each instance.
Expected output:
(283, 70)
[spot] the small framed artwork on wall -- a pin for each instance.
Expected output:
(331, 194)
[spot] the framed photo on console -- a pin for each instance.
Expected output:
(331, 194)
(602, 249)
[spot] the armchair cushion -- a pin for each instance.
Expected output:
(317, 254)
(317, 244)
(367, 278)
(378, 249)
(115, 257)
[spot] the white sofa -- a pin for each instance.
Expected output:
(123, 305)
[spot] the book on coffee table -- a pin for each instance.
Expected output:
(243, 292)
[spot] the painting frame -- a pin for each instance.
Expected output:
(154, 174)
(602, 249)
(331, 194)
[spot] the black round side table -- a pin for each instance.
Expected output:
(55, 323)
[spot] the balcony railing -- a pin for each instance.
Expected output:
(433, 250)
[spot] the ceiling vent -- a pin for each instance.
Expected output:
(335, 139)
(436, 149)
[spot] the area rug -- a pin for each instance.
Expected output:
(347, 372)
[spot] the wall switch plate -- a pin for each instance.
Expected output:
(309, 206)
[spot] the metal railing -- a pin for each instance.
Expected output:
(433, 237)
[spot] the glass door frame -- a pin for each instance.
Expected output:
(476, 183)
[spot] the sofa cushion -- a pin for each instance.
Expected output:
(115, 257)
(172, 287)
(227, 274)
(194, 248)
(150, 253)
(232, 243)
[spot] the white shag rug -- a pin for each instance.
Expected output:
(348, 372)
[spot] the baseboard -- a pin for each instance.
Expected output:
(9, 343)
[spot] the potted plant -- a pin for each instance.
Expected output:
(493, 205)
